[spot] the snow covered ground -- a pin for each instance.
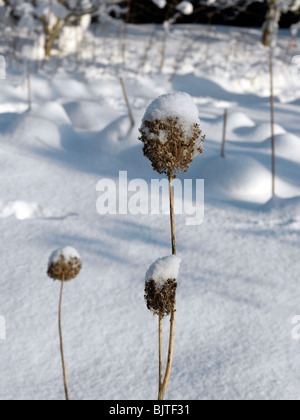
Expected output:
(239, 279)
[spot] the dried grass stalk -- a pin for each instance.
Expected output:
(62, 343)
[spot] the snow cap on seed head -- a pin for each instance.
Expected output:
(64, 264)
(161, 285)
(171, 133)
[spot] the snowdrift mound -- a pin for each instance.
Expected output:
(238, 119)
(238, 124)
(32, 132)
(256, 133)
(92, 116)
(52, 111)
(28, 131)
(239, 177)
(114, 137)
(71, 88)
(287, 146)
(41, 88)
(111, 89)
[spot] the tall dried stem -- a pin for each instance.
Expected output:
(61, 342)
(172, 321)
(160, 334)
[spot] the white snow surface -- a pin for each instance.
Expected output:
(164, 269)
(239, 277)
(67, 252)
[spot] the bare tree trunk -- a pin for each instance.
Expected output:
(51, 35)
(270, 23)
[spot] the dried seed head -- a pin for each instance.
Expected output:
(161, 300)
(64, 264)
(160, 288)
(171, 134)
(169, 147)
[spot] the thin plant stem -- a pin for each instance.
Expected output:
(29, 84)
(163, 50)
(272, 101)
(170, 355)
(172, 321)
(127, 103)
(172, 216)
(224, 133)
(62, 343)
(160, 334)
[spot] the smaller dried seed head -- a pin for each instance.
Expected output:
(161, 300)
(64, 264)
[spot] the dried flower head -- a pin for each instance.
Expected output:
(64, 264)
(171, 134)
(161, 300)
(161, 285)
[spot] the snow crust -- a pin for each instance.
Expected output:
(178, 104)
(68, 253)
(164, 269)
(175, 105)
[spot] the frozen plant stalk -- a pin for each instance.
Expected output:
(64, 265)
(160, 296)
(172, 138)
